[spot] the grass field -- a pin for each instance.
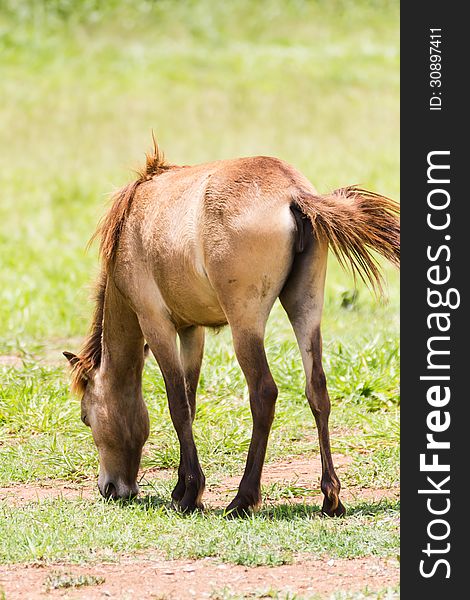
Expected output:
(82, 86)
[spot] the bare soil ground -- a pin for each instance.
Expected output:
(10, 360)
(148, 577)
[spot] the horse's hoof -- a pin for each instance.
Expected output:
(328, 510)
(187, 506)
(178, 493)
(187, 509)
(240, 508)
(237, 512)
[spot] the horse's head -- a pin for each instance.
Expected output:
(119, 422)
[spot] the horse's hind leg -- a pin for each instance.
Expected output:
(248, 274)
(302, 298)
(191, 352)
(250, 353)
(247, 309)
(161, 337)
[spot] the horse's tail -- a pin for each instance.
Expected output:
(356, 222)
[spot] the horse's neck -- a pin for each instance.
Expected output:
(122, 341)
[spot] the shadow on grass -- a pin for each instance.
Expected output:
(149, 501)
(283, 512)
(372, 509)
(152, 501)
(279, 512)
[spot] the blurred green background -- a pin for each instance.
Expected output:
(83, 83)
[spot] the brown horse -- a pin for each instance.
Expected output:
(184, 248)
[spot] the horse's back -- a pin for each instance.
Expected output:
(218, 238)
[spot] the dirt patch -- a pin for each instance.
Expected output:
(10, 360)
(300, 474)
(20, 494)
(147, 577)
(296, 480)
(46, 355)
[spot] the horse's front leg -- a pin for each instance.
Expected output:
(191, 352)
(162, 341)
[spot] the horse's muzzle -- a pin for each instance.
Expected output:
(115, 491)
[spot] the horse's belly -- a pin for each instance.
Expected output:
(191, 300)
(199, 311)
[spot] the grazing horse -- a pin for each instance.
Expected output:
(188, 247)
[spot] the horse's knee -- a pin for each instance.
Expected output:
(268, 391)
(263, 402)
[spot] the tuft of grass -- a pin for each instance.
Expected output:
(389, 593)
(366, 594)
(60, 579)
(281, 491)
(227, 594)
(377, 469)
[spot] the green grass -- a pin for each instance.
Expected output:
(83, 84)
(82, 531)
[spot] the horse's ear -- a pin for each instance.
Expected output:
(146, 351)
(72, 358)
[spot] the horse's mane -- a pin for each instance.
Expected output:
(90, 354)
(109, 231)
(110, 228)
